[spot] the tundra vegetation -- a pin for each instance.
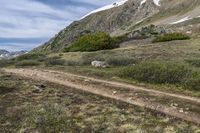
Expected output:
(60, 109)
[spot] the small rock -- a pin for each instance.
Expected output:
(99, 64)
(87, 80)
(186, 112)
(175, 104)
(38, 88)
(114, 92)
(181, 110)
(187, 109)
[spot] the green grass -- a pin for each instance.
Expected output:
(27, 63)
(171, 37)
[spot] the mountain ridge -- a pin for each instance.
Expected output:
(126, 18)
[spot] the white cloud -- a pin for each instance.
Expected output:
(34, 19)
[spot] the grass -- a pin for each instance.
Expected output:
(27, 63)
(171, 37)
(61, 109)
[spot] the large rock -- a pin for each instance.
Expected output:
(99, 64)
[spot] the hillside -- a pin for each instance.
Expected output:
(127, 17)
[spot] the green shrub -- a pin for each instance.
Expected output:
(154, 72)
(171, 37)
(88, 58)
(31, 56)
(72, 63)
(193, 82)
(27, 63)
(5, 63)
(54, 61)
(120, 61)
(92, 42)
(194, 62)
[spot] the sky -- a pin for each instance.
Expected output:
(26, 24)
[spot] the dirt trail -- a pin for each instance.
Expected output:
(120, 91)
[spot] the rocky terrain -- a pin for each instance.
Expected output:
(126, 18)
(9, 55)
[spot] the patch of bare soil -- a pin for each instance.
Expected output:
(179, 106)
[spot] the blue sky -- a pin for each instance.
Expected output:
(25, 24)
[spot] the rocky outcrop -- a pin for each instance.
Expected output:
(99, 64)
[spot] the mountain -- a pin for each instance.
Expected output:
(9, 55)
(127, 16)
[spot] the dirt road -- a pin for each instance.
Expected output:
(179, 106)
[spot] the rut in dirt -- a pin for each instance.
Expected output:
(116, 91)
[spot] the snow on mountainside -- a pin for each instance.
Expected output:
(9, 55)
(116, 4)
(156, 2)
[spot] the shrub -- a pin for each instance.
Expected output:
(27, 63)
(193, 82)
(120, 61)
(154, 72)
(72, 63)
(194, 62)
(30, 56)
(92, 42)
(171, 37)
(54, 61)
(88, 58)
(5, 63)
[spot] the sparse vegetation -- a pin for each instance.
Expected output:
(93, 42)
(27, 63)
(63, 109)
(194, 62)
(31, 56)
(170, 37)
(193, 82)
(6, 63)
(120, 61)
(54, 61)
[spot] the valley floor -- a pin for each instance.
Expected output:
(172, 105)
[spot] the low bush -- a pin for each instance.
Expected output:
(120, 61)
(88, 58)
(171, 37)
(54, 61)
(27, 63)
(155, 72)
(31, 56)
(92, 42)
(194, 62)
(5, 63)
(193, 82)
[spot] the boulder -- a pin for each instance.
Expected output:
(99, 64)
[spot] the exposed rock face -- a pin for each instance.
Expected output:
(123, 19)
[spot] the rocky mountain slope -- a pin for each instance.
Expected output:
(9, 55)
(128, 16)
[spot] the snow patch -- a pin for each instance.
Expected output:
(156, 2)
(142, 2)
(116, 4)
(181, 20)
